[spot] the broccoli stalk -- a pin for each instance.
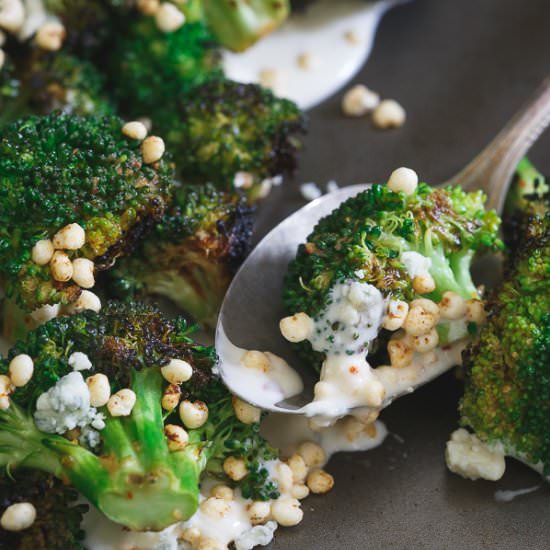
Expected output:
(237, 24)
(138, 481)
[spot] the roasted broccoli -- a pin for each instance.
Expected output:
(237, 24)
(75, 194)
(507, 370)
(136, 434)
(191, 255)
(416, 248)
(216, 128)
(58, 514)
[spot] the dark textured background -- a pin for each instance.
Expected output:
(460, 68)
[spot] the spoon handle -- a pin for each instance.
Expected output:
(493, 168)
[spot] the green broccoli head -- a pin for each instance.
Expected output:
(226, 127)
(370, 239)
(192, 254)
(150, 69)
(58, 514)
(65, 172)
(507, 387)
(237, 24)
(131, 454)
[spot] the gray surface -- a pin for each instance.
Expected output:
(460, 68)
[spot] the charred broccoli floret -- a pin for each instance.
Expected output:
(226, 127)
(58, 514)
(408, 246)
(117, 436)
(191, 255)
(151, 69)
(507, 398)
(76, 185)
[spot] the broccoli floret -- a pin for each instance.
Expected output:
(237, 24)
(63, 169)
(58, 514)
(507, 386)
(192, 254)
(214, 135)
(151, 69)
(127, 470)
(365, 238)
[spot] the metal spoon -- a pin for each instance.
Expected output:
(250, 313)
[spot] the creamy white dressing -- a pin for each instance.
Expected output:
(286, 432)
(336, 38)
(276, 384)
(416, 264)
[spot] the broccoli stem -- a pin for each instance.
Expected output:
(238, 24)
(137, 482)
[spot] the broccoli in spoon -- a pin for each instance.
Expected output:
(506, 402)
(123, 406)
(388, 274)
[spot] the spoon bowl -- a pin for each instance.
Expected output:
(251, 311)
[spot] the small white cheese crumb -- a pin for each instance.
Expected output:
(389, 114)
(469, 457)
(259, 535)
(416, 264)
(79, 361)
(310, 191)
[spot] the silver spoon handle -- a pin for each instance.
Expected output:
(493, 168)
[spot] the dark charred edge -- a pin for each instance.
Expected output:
(285, 147)
(134, 236)
(238, 231)
(136, 336)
